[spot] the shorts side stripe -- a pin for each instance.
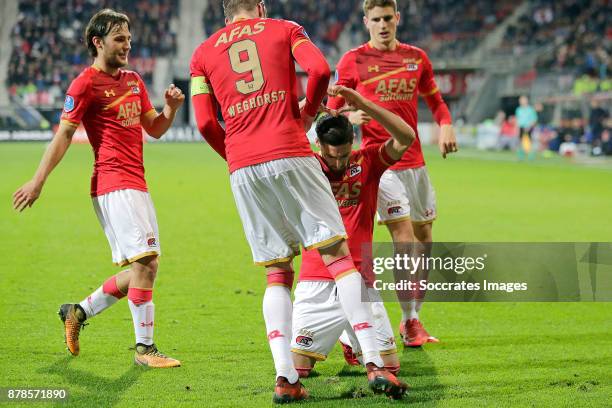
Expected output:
(135, 258)
(273, 261)
(316, 356)
(424, 222)
(394, 220)
(327, 242)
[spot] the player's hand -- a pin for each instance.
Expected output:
(322, 108)
(307, 120)
(359, 118)
(352, 97)
(174, 97)
(447, 141)
(26, 195)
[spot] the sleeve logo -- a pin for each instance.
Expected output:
(305, 33)
(68, 104)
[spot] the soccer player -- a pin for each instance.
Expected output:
(247, 70)
(393, 74)
(114, 107)
(318, 319)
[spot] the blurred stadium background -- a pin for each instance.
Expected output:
(485, 54)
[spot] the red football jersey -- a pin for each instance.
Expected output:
(356, 191)
(392, 79)
(110, 108)
(249, 69)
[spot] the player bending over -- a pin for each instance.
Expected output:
(247, 69)
(114, 107)
(318, 318)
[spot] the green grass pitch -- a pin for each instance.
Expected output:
(208, 293)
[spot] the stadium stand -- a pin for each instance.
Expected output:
(48, 51)
(575, 28)
(485, 53)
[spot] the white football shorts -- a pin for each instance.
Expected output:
(284, 204)
(318, 321)
(129, 222)
(406, 195)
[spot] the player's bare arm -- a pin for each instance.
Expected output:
(157, 124)
(402, 134)
(27, 194)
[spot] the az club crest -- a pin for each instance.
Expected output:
(304, 341)
(354, 170)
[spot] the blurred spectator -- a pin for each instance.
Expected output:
(508, 133)
(527, 119)
(606, 142)
(526, 116)
(597, 119)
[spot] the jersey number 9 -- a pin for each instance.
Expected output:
(251, 64)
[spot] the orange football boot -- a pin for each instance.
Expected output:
(73, 317)
(413, 334)
(380, 380)
(285, 392)
(150, 356)
(349, 355)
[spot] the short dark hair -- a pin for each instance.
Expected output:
(101, 24)
(370, 4)
(231, 7)
(334, 130)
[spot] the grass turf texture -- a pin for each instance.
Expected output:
(208, 293)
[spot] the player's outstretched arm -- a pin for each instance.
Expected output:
(205, 108)
(402, 134)
(447, 142)
(27, 194)
(157, 125)
(310, 58)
